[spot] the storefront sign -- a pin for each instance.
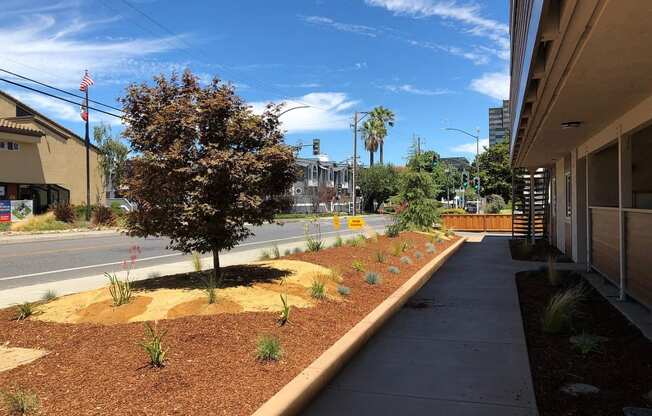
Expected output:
(5, 211)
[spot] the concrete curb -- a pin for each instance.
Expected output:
(22, 237)
(295, 395)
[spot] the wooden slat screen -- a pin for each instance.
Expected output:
(638, 243)
(604, 242)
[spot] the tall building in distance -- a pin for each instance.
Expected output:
(498, 123)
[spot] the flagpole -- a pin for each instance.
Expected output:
(88, 170)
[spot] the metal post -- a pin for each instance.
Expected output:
(621, 219)
(88, 169)
(477, 166)
(588, 214)
(355, 155)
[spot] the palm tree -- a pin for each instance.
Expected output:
(370, 134)
(385, 118)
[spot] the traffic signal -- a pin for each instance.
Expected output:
(465, 179)
(315, 147)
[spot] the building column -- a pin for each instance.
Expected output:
(624, 201)
(578, 214)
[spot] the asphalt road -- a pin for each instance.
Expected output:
(24, 263)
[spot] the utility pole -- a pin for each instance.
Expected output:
(356, 120)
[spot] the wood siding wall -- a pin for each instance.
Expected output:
(604, 242)
(638, 260)
(482, 222)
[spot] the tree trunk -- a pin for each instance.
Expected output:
(371, 158)
(217, 270)
(381, 152)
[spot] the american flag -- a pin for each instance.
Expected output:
(86, 82)
(83, 111)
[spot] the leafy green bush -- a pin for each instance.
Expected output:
(24, 311)
(452, 211)
(338, 241)
(318, 289)
(20, 402)
(393, 270)
(102, 215)
(268, 348)
(406, 260)
(495, 204)
(343, 290)
(285, 311)
(313, 244)
(587, 343)
(380, 256)
(63, 212)
(393, 230)
(358, 266)
(49, 295)
(153, 345)
(417, 191)
(120, 290)
(558, 315)
(372, 278)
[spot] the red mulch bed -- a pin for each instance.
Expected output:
(212, 368)
(622, 370)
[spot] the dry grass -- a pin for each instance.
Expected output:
(45, 222)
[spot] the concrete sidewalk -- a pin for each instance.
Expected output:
(458, 349)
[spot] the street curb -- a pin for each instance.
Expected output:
(24, 237)
(295, 395)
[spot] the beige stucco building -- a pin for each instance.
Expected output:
(581, 94)
(42, 160)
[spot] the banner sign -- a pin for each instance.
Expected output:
(355, 223)
(12, 211)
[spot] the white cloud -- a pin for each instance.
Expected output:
(328, 111)
(57, 51)
(342, 27)
(493, 84)
(411, 89)
(471, 147)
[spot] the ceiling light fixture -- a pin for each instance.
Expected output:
(571, 124)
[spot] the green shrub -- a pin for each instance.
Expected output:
(393, 230)
(24, 311)
(453, 211)
(495, 204)
(372, 278)
(405, 245)
(343, 290)
(406, 260)
(314, 241)
(287, 252)
(558, 315)
(397, 250)
(430, 248)
(338, 242)
(393, 270)
(20, 402)
(5, 226)
(196, 261)
(285, 311)
(153, 345)
(380, 257)
(313, 244)
(102, 215)
(210, 288)
(297, 250)
(49, 295)
(63, 212)
(268, 348)
(587, 343)
(318, 289)
(120, 290)
(358, 266)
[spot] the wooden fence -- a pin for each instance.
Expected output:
(478, 222)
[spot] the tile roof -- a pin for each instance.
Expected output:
(11, 127)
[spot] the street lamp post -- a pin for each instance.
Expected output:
(477, 157)
(356, 119)
(293, 108)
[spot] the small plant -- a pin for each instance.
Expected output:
(587, 343)
(210, 287)
(63, 212)
(276, 252)
(268, 348)
(335, 275)
(372, 278)
(430, 248)
(393, 230)
(102, 216)
(297, 250)
(406, 260)
(120, 290)
(285, 311)
(287, 252)
(20, 402)
(449, 233)
(343, 290)
(358, 266)
(558, 315)
(314, 241)
(153, 345)
(49, 295)
(405, 246)
(196, 261)
(393, 270)
(312, 244)
(338, 241)
(418, 255)
(264, 255)
(318, 289)
(380, 257)
(24, 311)
(397, 250)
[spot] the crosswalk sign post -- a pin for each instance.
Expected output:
(336, 222)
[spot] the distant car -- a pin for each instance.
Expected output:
(471, 207)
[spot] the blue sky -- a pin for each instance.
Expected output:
(435, 63)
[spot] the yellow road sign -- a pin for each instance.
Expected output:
(336, 222)
(355, 223)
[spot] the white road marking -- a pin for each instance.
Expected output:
(23, 276)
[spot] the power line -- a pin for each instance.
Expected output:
(57, 97)
(58, 89)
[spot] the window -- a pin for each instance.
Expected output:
(3, 191)
(569, 193)
(9, 146)
(3, 145)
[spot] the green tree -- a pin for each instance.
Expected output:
(371, 131)
(496, 171)
(417, 191)
(206, 165)
(423, 161)
(113, 157)
(447, 178)
(378, 183)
